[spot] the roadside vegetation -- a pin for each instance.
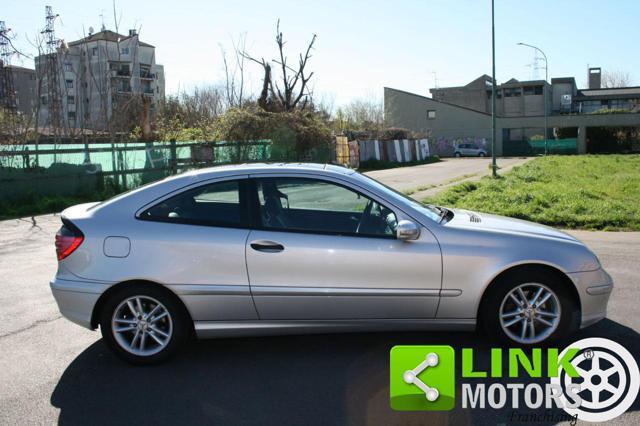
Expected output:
(598, 192)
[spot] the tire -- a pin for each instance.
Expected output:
(498, 303)
(457, 154)
(482, 154)
(168, 318)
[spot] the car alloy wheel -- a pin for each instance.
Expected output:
(530, 313)
(142, 326)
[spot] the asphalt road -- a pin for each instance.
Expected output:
(428, 179)
(54, 371)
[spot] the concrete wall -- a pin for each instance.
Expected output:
(409, 111)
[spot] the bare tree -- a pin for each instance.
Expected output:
(362, 115)
(291, 89)
(234, 73)
(615, 78)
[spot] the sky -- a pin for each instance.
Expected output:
(362, 46)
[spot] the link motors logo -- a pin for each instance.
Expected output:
(593, 379)
(608, 383)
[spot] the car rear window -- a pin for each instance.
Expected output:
(216, 204)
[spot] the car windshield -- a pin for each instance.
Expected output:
(432, 212)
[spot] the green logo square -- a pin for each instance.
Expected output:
(422, 378)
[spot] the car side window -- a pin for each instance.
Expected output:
(216, 204)
(312, 205)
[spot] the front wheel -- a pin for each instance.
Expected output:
(457, 154)
(529, 308)
(482, 154)
(143, 324)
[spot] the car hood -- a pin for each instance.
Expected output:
(490, 222)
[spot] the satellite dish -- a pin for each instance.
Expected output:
(90, 30)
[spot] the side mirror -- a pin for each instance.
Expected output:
(407, 230)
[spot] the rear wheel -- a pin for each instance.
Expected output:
(457, 154)
(482, 154)
(529, 308)
(143, 324)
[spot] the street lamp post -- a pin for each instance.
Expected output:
(546, 78)
(493, 93)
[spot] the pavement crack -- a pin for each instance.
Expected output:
(35, 324)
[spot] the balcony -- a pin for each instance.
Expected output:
(147, 75)
(120, 73)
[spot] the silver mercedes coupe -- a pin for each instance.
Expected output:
(308, 248)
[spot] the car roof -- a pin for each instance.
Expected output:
(250, 168)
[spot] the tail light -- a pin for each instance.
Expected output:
(68, 238)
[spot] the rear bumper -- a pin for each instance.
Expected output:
(76, 299)
(594, 289)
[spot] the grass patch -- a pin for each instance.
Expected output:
(370, 165)
(599, 192)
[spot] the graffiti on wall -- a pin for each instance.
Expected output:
(444, 147)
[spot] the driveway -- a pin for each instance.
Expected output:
(428, 179)
(54, 371)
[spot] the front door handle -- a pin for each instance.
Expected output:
(267, 246)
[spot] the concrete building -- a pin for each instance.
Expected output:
(463, 114)
(24, 85)
(97, 76)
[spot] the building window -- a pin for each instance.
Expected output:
(499, 94)
(514, 91)
(124, 51)
(528, 90)
(71, 100)
(94, 51)
(431, 114)
(69, 84)
(71, 115)
(538, 90)
(68, 67)
(44, 100)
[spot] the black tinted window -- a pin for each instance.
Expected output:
(320, 206)
(214, 204)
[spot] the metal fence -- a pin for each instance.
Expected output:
(536, 147)
(83, 169)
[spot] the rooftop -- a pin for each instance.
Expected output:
(106, 35)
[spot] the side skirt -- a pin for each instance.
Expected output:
(212, 329)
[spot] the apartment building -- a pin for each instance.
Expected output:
(23, 84)
(88, 81)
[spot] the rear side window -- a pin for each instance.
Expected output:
(216, 204)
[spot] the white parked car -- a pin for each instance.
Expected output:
(469, 150)
(291, 248)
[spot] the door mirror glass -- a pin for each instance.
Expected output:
(407, 230)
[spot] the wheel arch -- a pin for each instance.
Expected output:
(524, 269)
(95, 315)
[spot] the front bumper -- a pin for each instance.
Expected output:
(76, 299)
(594, 289)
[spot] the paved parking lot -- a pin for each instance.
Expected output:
(54, 371)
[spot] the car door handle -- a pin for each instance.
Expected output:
(267, 246)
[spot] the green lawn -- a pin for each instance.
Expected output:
(588, 191)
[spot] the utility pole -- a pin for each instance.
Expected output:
(493, 92)
(54, 105)
(544, 91)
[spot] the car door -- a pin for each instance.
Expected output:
(323, 250)
(194, 243)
